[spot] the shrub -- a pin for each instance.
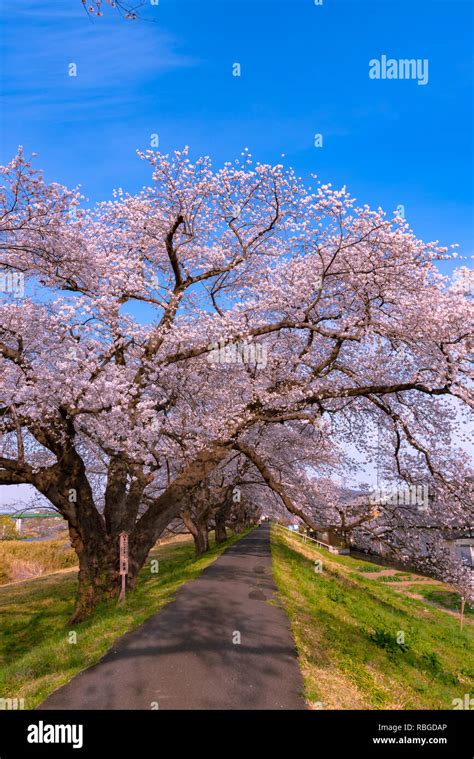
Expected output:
(432, 661)
(387, 640)
(8, 529)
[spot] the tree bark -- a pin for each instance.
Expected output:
(95, 536)
(198, 530)
(98, 577)
(221, 533)
(201, 540)
(220, 520)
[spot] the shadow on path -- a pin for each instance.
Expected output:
(185, 657)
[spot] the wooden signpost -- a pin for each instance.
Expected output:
(123, 562)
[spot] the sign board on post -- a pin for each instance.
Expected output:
(123, 561)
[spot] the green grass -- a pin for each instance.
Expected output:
(398, 577)
(369, 567)
(443, 597)
(363, 644)
(36, 656)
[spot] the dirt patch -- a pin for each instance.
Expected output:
(433, 604)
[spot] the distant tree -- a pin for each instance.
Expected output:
(8, 529)
(448, 567)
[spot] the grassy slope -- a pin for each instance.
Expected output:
(35, 654)
(20, 560)
(345, 627)
(442, 596)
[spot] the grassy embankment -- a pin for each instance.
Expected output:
(22, 561)
(36, 656)
(365, 642)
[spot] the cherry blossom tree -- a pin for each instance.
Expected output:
(439, 560)
(214, 313)
(129, 11)
(217, 503)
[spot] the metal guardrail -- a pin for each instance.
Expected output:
(31, 515)
(330, 548)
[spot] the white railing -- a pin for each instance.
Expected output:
(331, 549)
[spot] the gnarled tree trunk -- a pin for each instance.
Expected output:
(99, 578)
(220, 519)
(199, 531)
(201, 539)
(95, 536)
(221, 532)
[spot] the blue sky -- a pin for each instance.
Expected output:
(304, 70)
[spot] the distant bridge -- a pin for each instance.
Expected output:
(20, 516)
(32, 515)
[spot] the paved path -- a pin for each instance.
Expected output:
(184, 656)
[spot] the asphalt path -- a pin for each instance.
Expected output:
(223, 643)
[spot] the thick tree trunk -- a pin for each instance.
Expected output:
(201, 540)
(220, 519)
(99, 578)
(221, 533)
(98, 572)
(95, 537)
(198, 530)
